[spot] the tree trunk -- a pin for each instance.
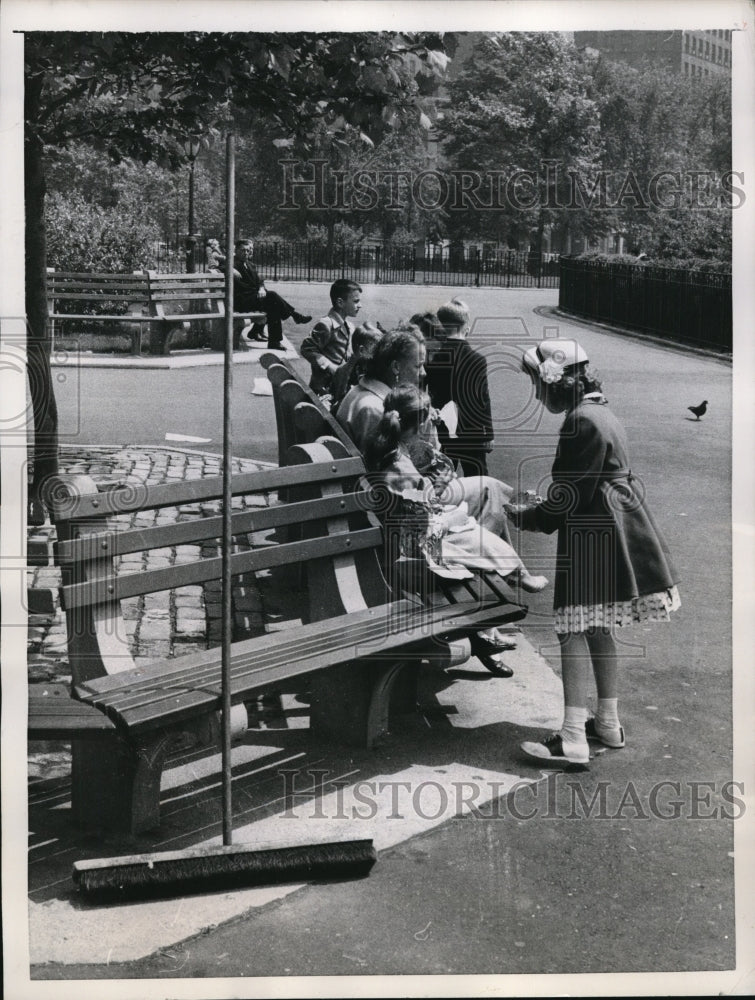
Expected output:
(38, 338)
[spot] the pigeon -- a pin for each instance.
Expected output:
(699, 410)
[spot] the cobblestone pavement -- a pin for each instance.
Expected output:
(172, 623)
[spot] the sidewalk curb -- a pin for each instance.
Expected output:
(672, 345)
(61, 358)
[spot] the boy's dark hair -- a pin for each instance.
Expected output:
(428, 323)
(341, 288)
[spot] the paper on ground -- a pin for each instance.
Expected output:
(188, 438)
(262, 387)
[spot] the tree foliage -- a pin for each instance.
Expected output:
(524, 100)
(655, 121)
(144, 95)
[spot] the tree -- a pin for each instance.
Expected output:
(658, 126)
(523, 107)
(142, 95)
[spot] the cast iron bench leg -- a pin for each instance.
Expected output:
(117, 786)
(351, 703)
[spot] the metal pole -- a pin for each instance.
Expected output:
(191, 242)
(230, 212)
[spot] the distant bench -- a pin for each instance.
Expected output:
(168, 303)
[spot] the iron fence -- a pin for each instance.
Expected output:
(385, 263)
(681, 304)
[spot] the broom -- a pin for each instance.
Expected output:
(172, 873)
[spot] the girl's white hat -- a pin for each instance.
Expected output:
(550, 358)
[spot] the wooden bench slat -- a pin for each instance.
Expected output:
(258, 658)
(116, 588)
(178, 294)
(54, 715)
(94, 276)
(139, 497)
(307, 395)
(99, 299)
(95, 286)
(202, 693)
(211, 317)
(175, 698)
(106, 317)
(390, 622)
(176, 668)
(243, 522)
(129, 293)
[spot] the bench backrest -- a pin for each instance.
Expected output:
(68, 287)
(339, 541)
(301, 417)
(196, 287)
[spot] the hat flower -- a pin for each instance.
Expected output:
(551, 371)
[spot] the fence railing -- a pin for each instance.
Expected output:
(687, 305)
(384, 263)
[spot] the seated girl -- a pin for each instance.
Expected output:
(462, 539)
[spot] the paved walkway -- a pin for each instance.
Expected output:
(439, 752)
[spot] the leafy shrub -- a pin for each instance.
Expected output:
(86, 237)
(678, 263)
(343, 234)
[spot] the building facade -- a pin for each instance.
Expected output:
(691, 53)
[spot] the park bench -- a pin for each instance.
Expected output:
(300, 415)
(356, 636)
(169, 303)
(94, 299)
(178, 300)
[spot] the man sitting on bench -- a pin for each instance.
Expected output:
(250, 295)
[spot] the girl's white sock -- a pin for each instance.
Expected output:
(607, 715)
(573, 729)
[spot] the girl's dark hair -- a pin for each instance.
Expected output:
(428, 324)
(406, 409)
(366, 334)
(574, 383)
(395, 346)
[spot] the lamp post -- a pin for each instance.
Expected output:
(191, 147)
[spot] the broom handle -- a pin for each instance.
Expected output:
(227, 493)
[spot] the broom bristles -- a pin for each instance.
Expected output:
(172, 873)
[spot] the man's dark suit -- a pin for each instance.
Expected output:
(456, 371)
(246, 298)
